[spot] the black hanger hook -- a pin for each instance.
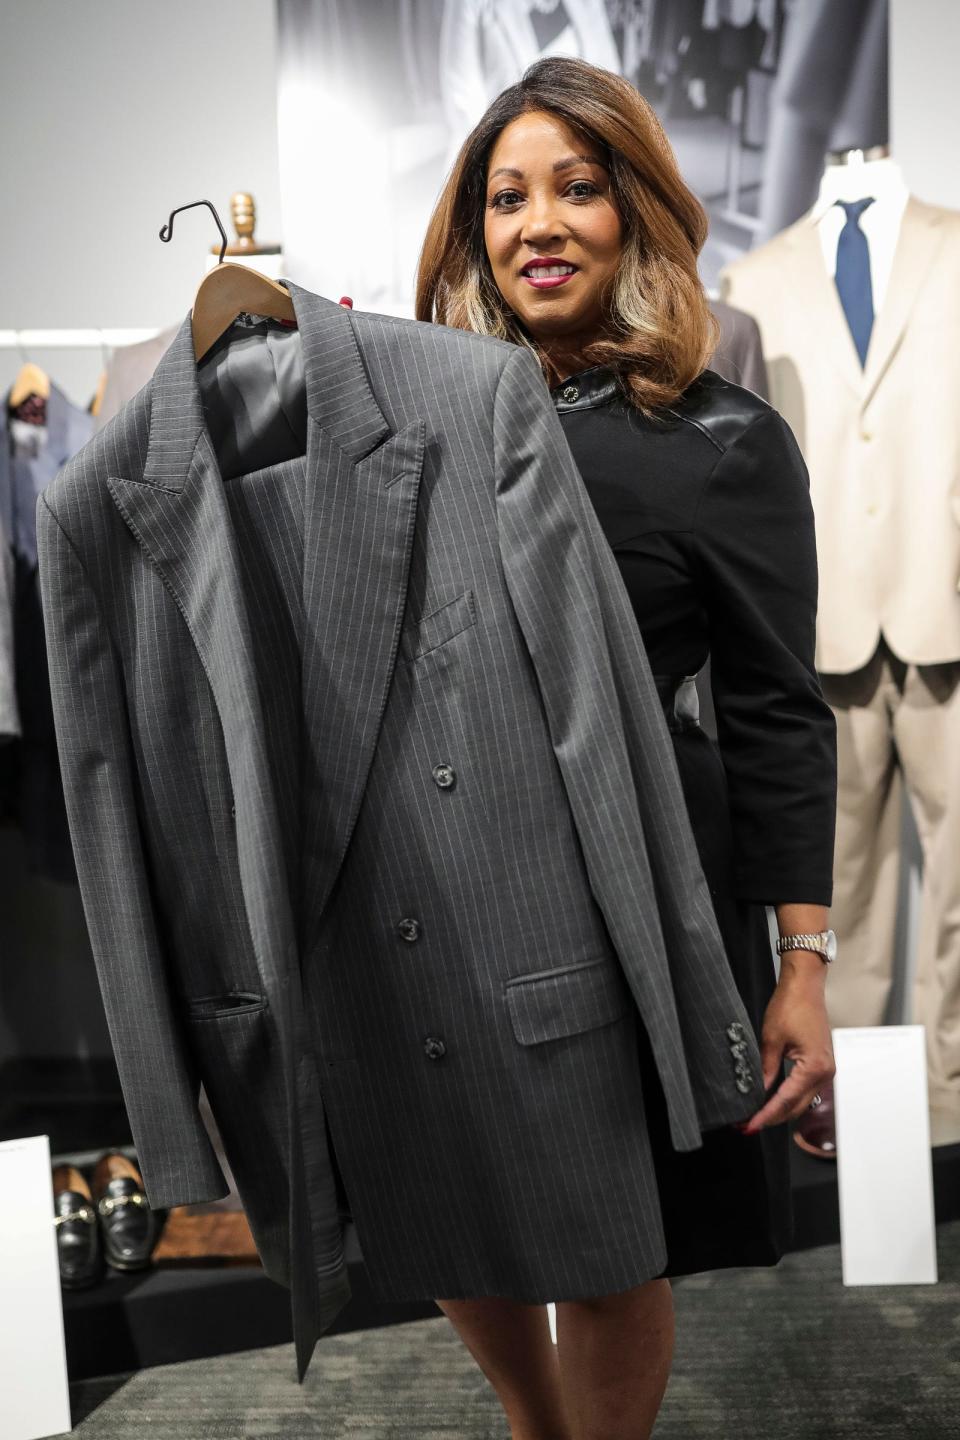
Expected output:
(166, 231)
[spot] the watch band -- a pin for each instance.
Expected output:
(822, 944)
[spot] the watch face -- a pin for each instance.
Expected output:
(831, 945)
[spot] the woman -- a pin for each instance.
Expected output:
(565, 226)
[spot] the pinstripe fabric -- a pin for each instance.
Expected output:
(255, 682)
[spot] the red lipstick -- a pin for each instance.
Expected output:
(544, 272)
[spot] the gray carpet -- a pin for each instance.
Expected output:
(786, 1354)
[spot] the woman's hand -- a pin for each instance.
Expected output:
(795, 1027)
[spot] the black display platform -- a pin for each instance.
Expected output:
(78, 1104)
(190, 1309)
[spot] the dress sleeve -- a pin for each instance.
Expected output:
(756, 564)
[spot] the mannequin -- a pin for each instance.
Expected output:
(852, 175)
(864, 363)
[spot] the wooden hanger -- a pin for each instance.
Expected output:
(97, 401)
(227, 290)
(30, 381)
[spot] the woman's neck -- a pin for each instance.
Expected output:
(563, 356)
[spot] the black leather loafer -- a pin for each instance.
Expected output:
(78, 1240)
(127, 1224)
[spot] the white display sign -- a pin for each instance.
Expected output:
(34, 1392)
(887, 1234)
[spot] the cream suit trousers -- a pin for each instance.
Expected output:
(898, 724)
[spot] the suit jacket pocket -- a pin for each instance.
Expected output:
(237, 1055)
(219, 1007)
(547, 1004)
(441, 625)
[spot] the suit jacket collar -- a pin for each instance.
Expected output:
(921, 234)
(24, 475)
(339, 397)
(815, 294)
(6, 480)
(816, 303)
(361, 493)
(62, 417)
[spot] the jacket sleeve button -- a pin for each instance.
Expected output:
(434, 1048)
(409, 930)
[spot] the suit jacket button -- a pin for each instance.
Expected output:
(409, 930)
(434, 1047)
(445, 776)
(233, 812)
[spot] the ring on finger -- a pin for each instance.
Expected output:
(815, 1103)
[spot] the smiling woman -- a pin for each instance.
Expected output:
(565, 215)
(565, 227)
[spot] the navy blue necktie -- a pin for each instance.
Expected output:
(854, 285)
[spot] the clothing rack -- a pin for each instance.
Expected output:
(74, 339)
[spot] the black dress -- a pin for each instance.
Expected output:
(707, 510)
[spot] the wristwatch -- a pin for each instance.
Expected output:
(823, 944)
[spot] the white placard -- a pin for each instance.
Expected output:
(34, 1392)
(887, 1234)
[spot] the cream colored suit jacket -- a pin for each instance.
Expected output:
(882, 442)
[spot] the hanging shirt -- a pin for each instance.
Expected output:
(31, 457)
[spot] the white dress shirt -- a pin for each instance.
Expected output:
(880, 222)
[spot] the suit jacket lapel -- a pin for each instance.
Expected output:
(917, 244)
(820, 311)
(361, 490)
(178, 513)
(362, 486)
(360, 504)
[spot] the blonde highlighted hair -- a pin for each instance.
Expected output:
(659, 332)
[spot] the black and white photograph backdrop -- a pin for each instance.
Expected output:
(752, 94)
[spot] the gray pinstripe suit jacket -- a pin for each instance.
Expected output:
(252, 688)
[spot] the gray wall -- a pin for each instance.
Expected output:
(113, 112)
(925, 96)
